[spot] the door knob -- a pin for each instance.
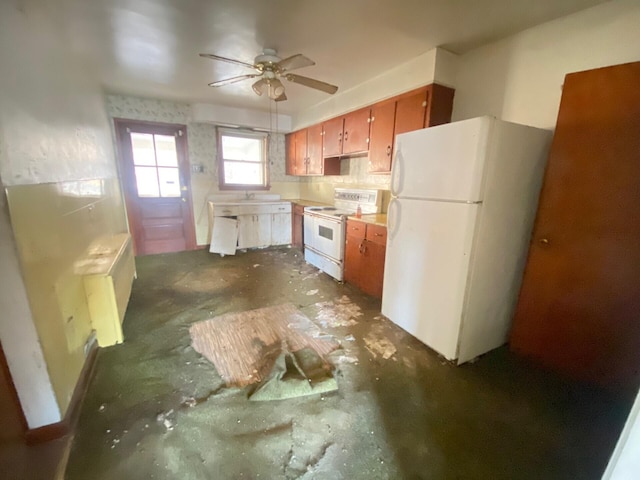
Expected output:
(544, 241)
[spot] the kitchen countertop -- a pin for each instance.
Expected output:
(373, 218)
(307, 203)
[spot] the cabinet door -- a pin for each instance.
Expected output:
(355, 137)
(314, 150)
(373, 257)
(578, 307)
(332, 137)
(353, 261)
(254, 231)
(280, 229)
(301, 152)
(290, 153)
(439, 105)
(247, 232)
(297, 239)
(383, 117)
(410, 112)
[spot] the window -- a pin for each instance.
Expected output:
(243, 159)
(155, 161)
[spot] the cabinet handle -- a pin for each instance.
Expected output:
(362, 248)
(377, 234)
(346, 135)
(388, 150)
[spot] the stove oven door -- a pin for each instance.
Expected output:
(328, 237)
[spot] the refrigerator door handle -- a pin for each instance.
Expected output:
(396, 174)
(393, 217)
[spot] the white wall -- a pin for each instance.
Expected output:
(520, 78)
(413, 74)
(53, 128)
(18, 334)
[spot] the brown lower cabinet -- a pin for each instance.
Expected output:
(297, 224)
(364, 256)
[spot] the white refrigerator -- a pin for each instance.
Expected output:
(464, 197)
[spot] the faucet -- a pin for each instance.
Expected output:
(249, 196)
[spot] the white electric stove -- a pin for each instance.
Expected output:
(324, 228)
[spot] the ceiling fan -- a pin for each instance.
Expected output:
(271, 68)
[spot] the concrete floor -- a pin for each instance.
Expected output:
(157, 409)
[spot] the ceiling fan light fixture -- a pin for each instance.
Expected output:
(276, 88)
(258, 87)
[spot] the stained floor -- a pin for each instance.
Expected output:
(157, 409)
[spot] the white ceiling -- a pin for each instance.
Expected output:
(150, 47)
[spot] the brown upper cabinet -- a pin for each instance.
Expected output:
(371, 130)
(304, 153)
(424, 107)
(347, 135)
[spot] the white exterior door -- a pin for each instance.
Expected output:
(426, 268)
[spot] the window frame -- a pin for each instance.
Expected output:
(230, 132)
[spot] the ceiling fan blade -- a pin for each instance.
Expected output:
(293, 62)
(225, 59)
(281, 98)
(227, 81)
(311, 82)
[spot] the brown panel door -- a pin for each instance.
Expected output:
(332, 137)
(383, 117)
(410, 112)
(579, 306)
(314, 150)
(155, 176)
(355, 138)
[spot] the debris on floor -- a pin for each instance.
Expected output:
(312, 292)
(244, 346)
(339, 313)
(378, 344)
(296, 375)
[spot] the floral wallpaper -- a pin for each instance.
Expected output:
(201, 142)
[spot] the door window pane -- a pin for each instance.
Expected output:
(169, 182)
(166, 151)
(147, 182)
(143, 151)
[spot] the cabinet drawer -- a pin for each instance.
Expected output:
(356, 229)
(377, 234)
(227, 210)
(267, 209)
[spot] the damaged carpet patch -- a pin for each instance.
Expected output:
(244, 346)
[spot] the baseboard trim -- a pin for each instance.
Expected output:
(59, 429)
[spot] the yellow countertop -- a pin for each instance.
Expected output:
(373, 218)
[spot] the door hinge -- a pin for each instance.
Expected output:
(179, 133)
